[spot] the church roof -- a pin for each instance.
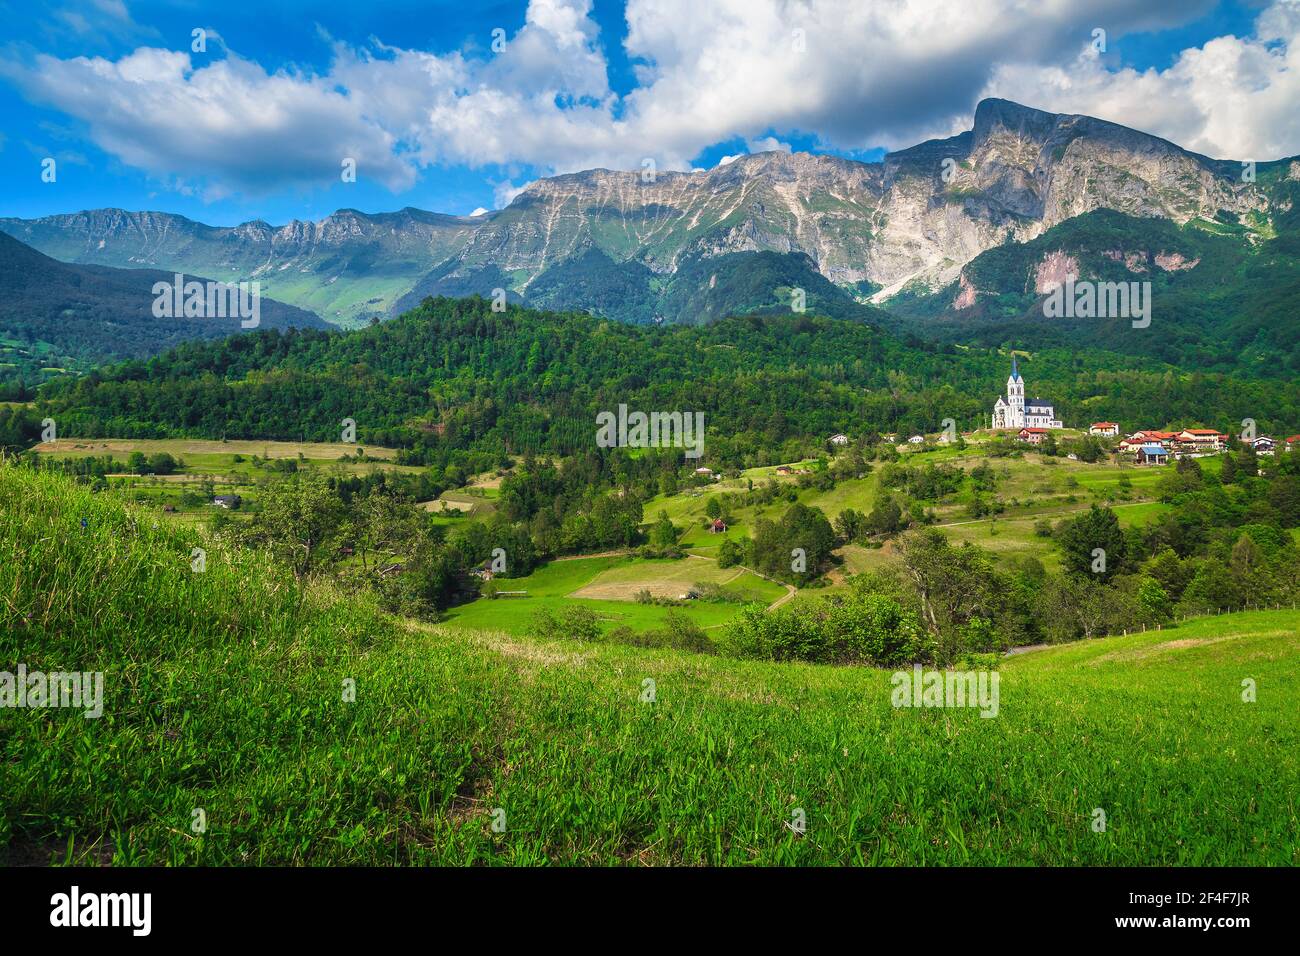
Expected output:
(1037, 403)
(1015, 372)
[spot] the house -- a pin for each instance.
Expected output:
(718, 526)
(1201, 440)
(784, 470)
(1108, 429)
(1152, 454)
(916, 440)
(1264, 445)
(839, 439)
(227, 501)
(1034, 436)
(483, 572)
(704, 472)
(1293, 443)
(1016, 411)
(1138, 439)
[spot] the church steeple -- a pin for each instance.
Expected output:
(1015, 397)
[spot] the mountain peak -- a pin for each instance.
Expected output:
(993, 113)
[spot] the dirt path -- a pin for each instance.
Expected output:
(1025, 649)
(790, 592)
(599, 554)
(1033, 517)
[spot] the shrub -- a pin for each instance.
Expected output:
(570, 623)
(871, 629)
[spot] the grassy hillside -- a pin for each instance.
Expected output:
(222, 693)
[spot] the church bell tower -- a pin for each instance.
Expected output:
(1015, 396)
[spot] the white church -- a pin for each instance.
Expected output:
(1015, 411)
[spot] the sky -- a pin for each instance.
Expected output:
(233, 111)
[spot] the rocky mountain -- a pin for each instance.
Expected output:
(619, 242)
(347, 266)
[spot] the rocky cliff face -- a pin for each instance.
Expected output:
(909, 222)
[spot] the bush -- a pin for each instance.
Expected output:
(730, 553)
(569, 623)
(678, 632)
(872, 629)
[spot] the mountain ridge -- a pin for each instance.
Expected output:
(910, 220)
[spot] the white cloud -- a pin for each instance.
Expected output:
(1232, 98)
(229, 124)
(850, 74)
(728, 160)
(504, 193)
(768, 144)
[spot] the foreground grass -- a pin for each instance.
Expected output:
(222, 694)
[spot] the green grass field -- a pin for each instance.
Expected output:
(223, 694)
(616, 580)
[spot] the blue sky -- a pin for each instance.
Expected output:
(256, 125)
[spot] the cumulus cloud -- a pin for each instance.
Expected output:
(849, 74)
(229, 124)
(503, 193)
(1232, 98)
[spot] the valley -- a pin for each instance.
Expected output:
(376, 583)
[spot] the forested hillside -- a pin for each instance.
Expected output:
(56, 316)
(455, 374)
(1218, 301)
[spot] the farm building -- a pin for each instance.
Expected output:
(1153, 454)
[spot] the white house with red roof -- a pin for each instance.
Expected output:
(1202, 440)
(1108, 429)
(1148, 437)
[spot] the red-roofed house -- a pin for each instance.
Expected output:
(1148, 437)
(1034, 436)
(1103, 428)
(1202, 440)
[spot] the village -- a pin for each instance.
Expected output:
(1034, 419)
(1153, 447)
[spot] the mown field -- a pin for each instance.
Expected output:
(608, 586)
(219, 467)
(222, 693)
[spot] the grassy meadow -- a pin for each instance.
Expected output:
(227, 692)
(1031, 489)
